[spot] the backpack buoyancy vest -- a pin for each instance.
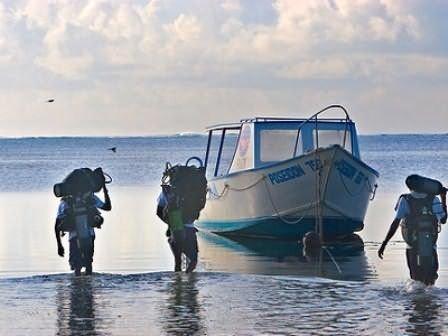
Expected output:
(190, 186)
(420, 219)
(77, 208)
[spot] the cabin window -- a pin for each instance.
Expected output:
(227, 153)
(328, 138)
(243, 158)
(279, 145)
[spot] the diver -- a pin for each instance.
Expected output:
(183, 196)
(420, 214)
(181, 235)
(78, 215)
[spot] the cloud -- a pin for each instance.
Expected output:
(159, 35)
(69, 66)
(11, 49)
(220, 49)
(185, 28)
(232, 5)
(317, 69)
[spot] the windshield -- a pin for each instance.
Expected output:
(284, 141)
(278, 145)
(333, 137)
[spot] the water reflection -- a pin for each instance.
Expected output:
(76, 307)
(343, 260)
(425, 315)
(182, 314)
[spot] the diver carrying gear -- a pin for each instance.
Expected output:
(420, 232)
(420, 215)
(189, 185)
(78, 214)
(183, 196)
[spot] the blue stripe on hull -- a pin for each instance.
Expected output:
(275, 228)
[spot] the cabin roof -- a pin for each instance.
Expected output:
(285, 119)
(273, 120)
(313, 118)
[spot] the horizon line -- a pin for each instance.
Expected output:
(181, 134)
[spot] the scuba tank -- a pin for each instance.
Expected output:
(82, 223)
(420, 220)
(80, 219)
(423, 184)
(185, 188)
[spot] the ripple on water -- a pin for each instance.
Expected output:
(218, 304)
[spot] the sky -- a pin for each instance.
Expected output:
(148, 67)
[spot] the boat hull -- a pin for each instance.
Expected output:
(283, 200)
(275, 228)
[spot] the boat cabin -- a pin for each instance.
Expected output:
(260, 142)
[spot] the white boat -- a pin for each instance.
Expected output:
(287, 177)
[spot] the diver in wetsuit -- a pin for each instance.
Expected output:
(181, 233)
(78, 214)
(420, 215)
(183, 196)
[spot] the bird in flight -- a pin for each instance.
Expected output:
(50, 100)
(113, 149)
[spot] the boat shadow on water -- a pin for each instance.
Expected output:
(343, 259)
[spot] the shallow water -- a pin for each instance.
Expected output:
(132, 240)
(243, 286)
(216, 304)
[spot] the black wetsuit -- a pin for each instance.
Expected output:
(184, 241)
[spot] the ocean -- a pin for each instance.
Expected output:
(241, 287)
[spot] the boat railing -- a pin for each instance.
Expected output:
(314, 119)
(329, 107)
